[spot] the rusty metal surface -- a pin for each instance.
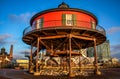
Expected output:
(61, 33)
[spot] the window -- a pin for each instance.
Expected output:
(39, 23)
(92, 24)
(68, 19)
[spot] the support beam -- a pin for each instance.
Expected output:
(70, 56)
(53, 37)
(30, 62)
(81, 37)
(33, 42)
(96, 71)
(70, 69)
(61, 44)
(66, 57)
(36, 35)
(76, 44)
(52, 52)
(37, 54)
(44, 44)
(44, 32)
(80, 63)
(25, 39)
(28, 37)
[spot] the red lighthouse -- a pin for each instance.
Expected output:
(61, 31)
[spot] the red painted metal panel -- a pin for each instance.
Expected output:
(54, 19)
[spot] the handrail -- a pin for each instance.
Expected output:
(55, 23)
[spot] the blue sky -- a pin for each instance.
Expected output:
(15, 16)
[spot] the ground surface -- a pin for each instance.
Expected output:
(112, 73)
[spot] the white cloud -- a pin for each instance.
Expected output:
(113, 30)
(115, 50)
(5, 36)
(4, 39)
(24, 51)
(15, 56)
(23, 17)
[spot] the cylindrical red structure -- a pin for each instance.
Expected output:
(59, 17)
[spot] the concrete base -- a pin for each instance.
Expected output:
(36, 73)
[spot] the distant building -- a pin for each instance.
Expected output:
(5, 58)
(103, 51)
(22, 63)
(115, 60)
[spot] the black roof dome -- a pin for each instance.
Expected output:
(63, 5)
